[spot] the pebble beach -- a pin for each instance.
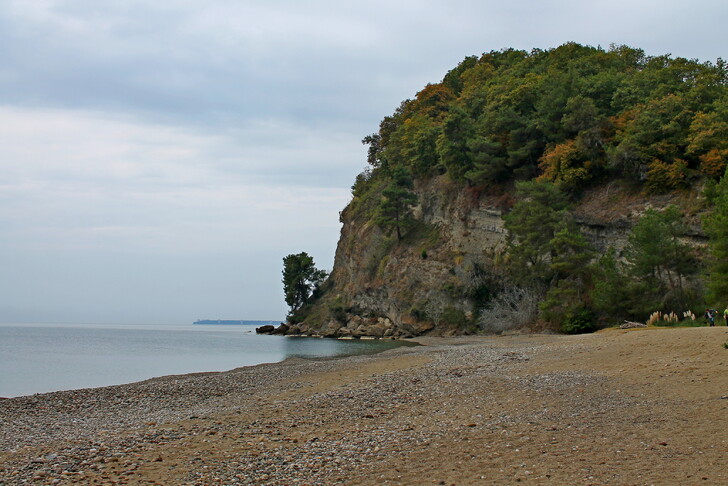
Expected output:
(639, 406)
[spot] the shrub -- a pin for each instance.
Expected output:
(337, 309)
(432, 311)
(578, 320)
(453, 290)
(454, 317)
(663, 177)
(512, 308)
(418, 313)
(381, 251)
(713, 163)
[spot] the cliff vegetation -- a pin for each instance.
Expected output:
(563, 189)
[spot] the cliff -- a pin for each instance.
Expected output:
(600, 136)
(446, 268)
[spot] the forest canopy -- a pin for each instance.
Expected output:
(573, 115)
(546, 126)
(542, 128)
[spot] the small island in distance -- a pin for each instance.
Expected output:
(233, 322)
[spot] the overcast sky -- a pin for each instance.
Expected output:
(159, 159)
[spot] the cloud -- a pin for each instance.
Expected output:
(226, 63)
(77, 179)
(148, 145)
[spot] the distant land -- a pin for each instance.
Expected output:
(229, 322)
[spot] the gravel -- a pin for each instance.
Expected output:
(73, 436)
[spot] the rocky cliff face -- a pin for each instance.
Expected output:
(435, 279)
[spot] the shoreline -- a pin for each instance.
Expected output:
(468, 410)
(67, 366)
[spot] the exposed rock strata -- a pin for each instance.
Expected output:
(429, 281)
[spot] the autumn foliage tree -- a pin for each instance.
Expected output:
(573, 115)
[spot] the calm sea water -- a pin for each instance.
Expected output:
(38, 358)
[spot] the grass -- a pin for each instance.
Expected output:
(683, 323)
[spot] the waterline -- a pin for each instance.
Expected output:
(38, 358)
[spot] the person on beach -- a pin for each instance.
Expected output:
(710, 316)
(725, 316)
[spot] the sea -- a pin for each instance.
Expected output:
(40, 358)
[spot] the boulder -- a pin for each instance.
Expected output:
(344, 333)
(282, 329)
(267, 329)
(413, 327)
(330, 329)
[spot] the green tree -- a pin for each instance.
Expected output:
(452, 145)
(546, 249)
(716, 227)
(531, 226)
(610, 295)
(395, 208)
(301, 280)
(660, 261)
(571, 276)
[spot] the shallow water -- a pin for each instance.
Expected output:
(38, 358)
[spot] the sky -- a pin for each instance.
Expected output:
(159, 159)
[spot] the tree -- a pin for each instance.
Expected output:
(531, 226)
(565, 165)
(566, 300)
(611, 294)
(301, 279)
(395, 208)
(659, 260)
(709, 140)
(452, 145)
(716, 226)
(546, 249)
(374, 152)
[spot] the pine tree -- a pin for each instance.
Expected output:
(531, 226)
(301, 279)
(659, 260)
(395, 208)
(716, 226)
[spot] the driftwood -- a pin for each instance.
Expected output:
(631, 325)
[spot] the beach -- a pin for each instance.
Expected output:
(640, 406)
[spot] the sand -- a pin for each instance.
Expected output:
(641, 406)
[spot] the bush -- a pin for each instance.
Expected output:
(337, 309)
(381, 252)
(454, 317)
(512, 308)
(453, 290)
(418, 313)
(663, 177)
(579, 320)
(688, 319)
